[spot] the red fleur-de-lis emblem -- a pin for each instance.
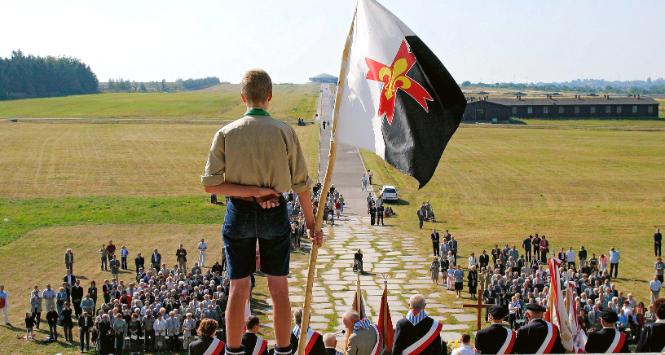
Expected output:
(394, 77)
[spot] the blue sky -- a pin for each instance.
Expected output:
(489, 41)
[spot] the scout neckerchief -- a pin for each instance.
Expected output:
(255, 111)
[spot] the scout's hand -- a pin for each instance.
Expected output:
(266, 197)
(315, 236)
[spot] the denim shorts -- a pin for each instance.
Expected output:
(245, 223)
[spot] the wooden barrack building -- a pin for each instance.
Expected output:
(580, 107)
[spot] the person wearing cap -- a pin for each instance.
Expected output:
(608, 339)
(538, 336)
(496, 339)
(652, 337)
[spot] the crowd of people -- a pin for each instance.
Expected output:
(515, 277)
(160, 310)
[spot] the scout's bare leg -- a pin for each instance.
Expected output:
(235, 312)
(279, 290)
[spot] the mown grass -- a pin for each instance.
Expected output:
(20, 216)
(290, 101)
(79, 184)
(609, 124)
(72, 159)
(592, 187)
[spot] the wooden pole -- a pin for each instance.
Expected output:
(359, 296)
(332, 154)
(479, 307)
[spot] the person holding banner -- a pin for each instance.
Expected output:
(608, 339)
(417, 333)
(496, 339)
(252, 161)
(538, 336)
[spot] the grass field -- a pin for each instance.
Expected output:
(62, 159)
(593, 187)
(80, 184)
(135, 201)
(220, 102)
(597, 183)
(621, 125)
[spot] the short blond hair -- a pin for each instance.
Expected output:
(256, 86)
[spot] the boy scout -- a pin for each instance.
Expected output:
(252, 161)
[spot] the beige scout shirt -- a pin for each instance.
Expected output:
(257, 151)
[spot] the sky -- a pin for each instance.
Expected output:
(480, 41)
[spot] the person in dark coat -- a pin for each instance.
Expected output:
(415, 328)
(66, 322)
(472, 278)
(496, 337)
(372, 215)
(52, 320)
(657, 242)
(85, 323)
(652, 337)
(251, 339)
(181, 256)
(608, 339)
(207, 342)
(106, 337)
(77, 296)
(435, 242)
(531, 337)
(139, 262)
(156, 260)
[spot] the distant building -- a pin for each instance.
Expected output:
(487, 109)
(324, 79)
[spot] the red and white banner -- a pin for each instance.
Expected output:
(556, 306)
(579, 336)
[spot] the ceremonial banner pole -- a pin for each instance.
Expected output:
(332, 154)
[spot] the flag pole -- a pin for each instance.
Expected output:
(359, 296)
(332, 154)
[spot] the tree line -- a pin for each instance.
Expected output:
(28, 76)
(595, 86)
(123, 85)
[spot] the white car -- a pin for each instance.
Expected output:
(389, 193)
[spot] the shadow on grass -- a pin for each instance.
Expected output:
(41, 336)
(259, 306)
(399, 202)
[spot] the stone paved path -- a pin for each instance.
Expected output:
(386, 250)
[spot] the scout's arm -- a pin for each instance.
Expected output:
(306, 203)
(213, 178)
(229, 189)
